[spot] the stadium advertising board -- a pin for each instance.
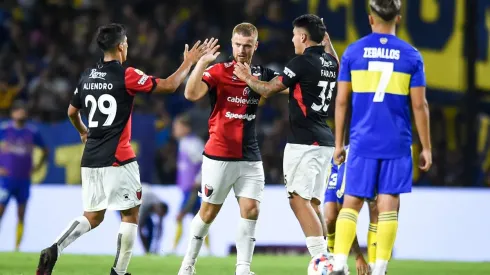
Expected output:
(421, 222)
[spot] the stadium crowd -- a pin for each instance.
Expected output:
(45, 45)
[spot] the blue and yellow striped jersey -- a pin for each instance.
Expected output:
(382, 68)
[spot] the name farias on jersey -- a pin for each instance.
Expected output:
(94, 74)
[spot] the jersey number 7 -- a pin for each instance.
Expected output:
(323, 106)
(386, 69)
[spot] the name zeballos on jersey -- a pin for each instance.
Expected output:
(105, 94)
(232, 121)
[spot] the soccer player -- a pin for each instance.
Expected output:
(311, 78)
(149, 232)
(17, 140)
(189, 160)
(110, 174)
(231, 155)
(334, 197)
(385, 74)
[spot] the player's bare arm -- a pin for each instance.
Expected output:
(341, 105)
(195, 88)
(420, 109)
(361, 266)
(76, 121)
(265, 89)
(171, 83)
(44, 159)
(327, 43)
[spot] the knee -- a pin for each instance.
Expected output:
(249, 208)
(94, 219)
(208, 212)
(297, 202)
(130, 215)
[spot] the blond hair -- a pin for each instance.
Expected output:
(246, 29)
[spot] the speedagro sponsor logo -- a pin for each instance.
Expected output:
(231, 115)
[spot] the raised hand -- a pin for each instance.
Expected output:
(211, 52)
(196, 52)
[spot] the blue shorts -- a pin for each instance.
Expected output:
(367, 177)
(19, 189)
(335, 185)
(187, 196)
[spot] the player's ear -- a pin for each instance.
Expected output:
(371, 20)
(304, 37)
(256, 45)
(120, 47)
(398, 19)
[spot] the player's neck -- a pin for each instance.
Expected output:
(309, 44)
(18, 124)
(384, 29)
(111, 57)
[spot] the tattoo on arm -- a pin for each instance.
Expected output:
(264, 88)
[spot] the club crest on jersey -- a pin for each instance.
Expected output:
(246, 91)
(208, 190)
(383, 40)
(139, 193)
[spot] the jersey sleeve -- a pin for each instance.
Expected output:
(76, 101)
(137, 81)
(344, 72)
(211, 76)
(418, 75)
(292, 72)
(269, 74)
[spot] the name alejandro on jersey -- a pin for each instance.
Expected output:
(97, 86)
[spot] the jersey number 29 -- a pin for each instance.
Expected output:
(386, 69)
(110, 111)
(323, 106)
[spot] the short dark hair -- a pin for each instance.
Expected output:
(313, 24)
(386, 9)
(109, 36)
(18, 105)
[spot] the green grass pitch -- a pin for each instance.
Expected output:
(26, 263)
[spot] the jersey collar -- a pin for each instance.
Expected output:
(315, 49)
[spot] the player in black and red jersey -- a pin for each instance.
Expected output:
(231, 155)
(311, 78)
(110, 174)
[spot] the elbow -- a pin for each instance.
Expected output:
(190, 96)
(72, 113)
(421, 106)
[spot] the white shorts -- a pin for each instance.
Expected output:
(218, 177)
(114, 187)
(305, 169)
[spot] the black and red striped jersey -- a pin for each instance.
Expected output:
(105, 95)
(232, 135)
(312, 80)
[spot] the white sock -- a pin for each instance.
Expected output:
(77, 228)
(371, 266)
(340, 261)
(381, 267)
(125, 241)
(199, 230)
(316, 245)
(245, 245)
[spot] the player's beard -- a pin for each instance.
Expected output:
(242, 59)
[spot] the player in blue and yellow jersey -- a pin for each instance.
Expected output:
(385, 74)
(334, 198)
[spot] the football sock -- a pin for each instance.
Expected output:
(178, 234)
(245, 245)
(19, 234)
(199, 230)
(125, 241)
(387, 227)
(345, 234)
(331, 242)
(77, 228)
(316, 245)
(371, 243)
